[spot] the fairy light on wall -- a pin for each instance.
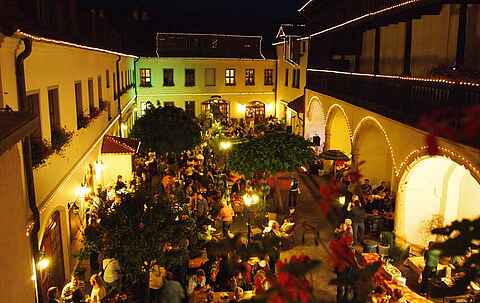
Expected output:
(445, 152)
(431, 80)
(363, 17)
(387, 139)
(65, 43)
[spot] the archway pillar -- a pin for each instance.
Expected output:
(328, 137)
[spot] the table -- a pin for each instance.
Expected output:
(385, 278)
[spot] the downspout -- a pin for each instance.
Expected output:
(135, 83)
(276, 86)
(27, 160)
(119, 106)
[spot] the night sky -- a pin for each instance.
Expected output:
(251, 17)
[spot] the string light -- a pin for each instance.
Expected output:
(432, 80)
(380, 126)
(422, 151)
(65, 43)
(364, 17)
(305, 5)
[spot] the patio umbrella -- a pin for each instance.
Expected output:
(334, 155)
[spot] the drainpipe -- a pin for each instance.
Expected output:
(135, 82)
(276, 86)
(27, 162)
(119, 106)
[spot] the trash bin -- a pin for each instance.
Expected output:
(370, 246)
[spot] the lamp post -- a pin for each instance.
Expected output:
(249, 199)
(225, 146)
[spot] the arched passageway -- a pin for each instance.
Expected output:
(434, 191)
(255, 111)
(372, 148)
(338, 131)
(315, 123)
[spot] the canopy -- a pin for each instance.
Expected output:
(334, 154)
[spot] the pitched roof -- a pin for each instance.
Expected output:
(298, 104)
(119, 145)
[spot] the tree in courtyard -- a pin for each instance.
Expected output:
(274, 152)
(166, 129)
(137, 233)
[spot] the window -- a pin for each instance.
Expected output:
(268, 77)
(145, 77)
(229, 77)
(123, 83)
(107, 77)
(33, 107)
(78, 102)
(100, 94)
(296, 78)
(190, 108)
(286, 77)
(54, 111)
(168, 104)
(249, 76)
(209, 77)
(189, 77)
(168, 77)
(91, 103)
(114, 85)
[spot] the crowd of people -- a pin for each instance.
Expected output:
(219, 260)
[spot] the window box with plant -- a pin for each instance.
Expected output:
(60, 137)
(40, 151)
(82, 121)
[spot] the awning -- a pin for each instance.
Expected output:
(119, 145)
(298, 105)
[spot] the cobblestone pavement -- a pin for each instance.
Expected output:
(309, 211)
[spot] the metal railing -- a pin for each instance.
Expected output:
(400, 98)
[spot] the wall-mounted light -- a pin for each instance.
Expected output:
(341, 200)
(43, 263)
(269, 107)
(242, 108)
(82, 191)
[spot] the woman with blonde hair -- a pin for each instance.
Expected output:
(98, 289)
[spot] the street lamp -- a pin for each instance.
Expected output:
(225, 146)
(249, 200)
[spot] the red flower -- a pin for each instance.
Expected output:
(276, 298)
(304, 296)
(283, 278)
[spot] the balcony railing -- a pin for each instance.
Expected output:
(400, 98)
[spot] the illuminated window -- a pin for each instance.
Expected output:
(268, 77)
(145, 77)
(230, 77)
(249, 76)
(189, 77)
(296, 78)
(209, 77)
(168, 104)
(168, 77)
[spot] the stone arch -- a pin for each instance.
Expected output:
(338, 130)
(372, 146)
(434, 190)
(315, 122)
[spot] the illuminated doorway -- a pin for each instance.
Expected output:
(434, 191)
(54, 274)
(217, 108)
(255, 111)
